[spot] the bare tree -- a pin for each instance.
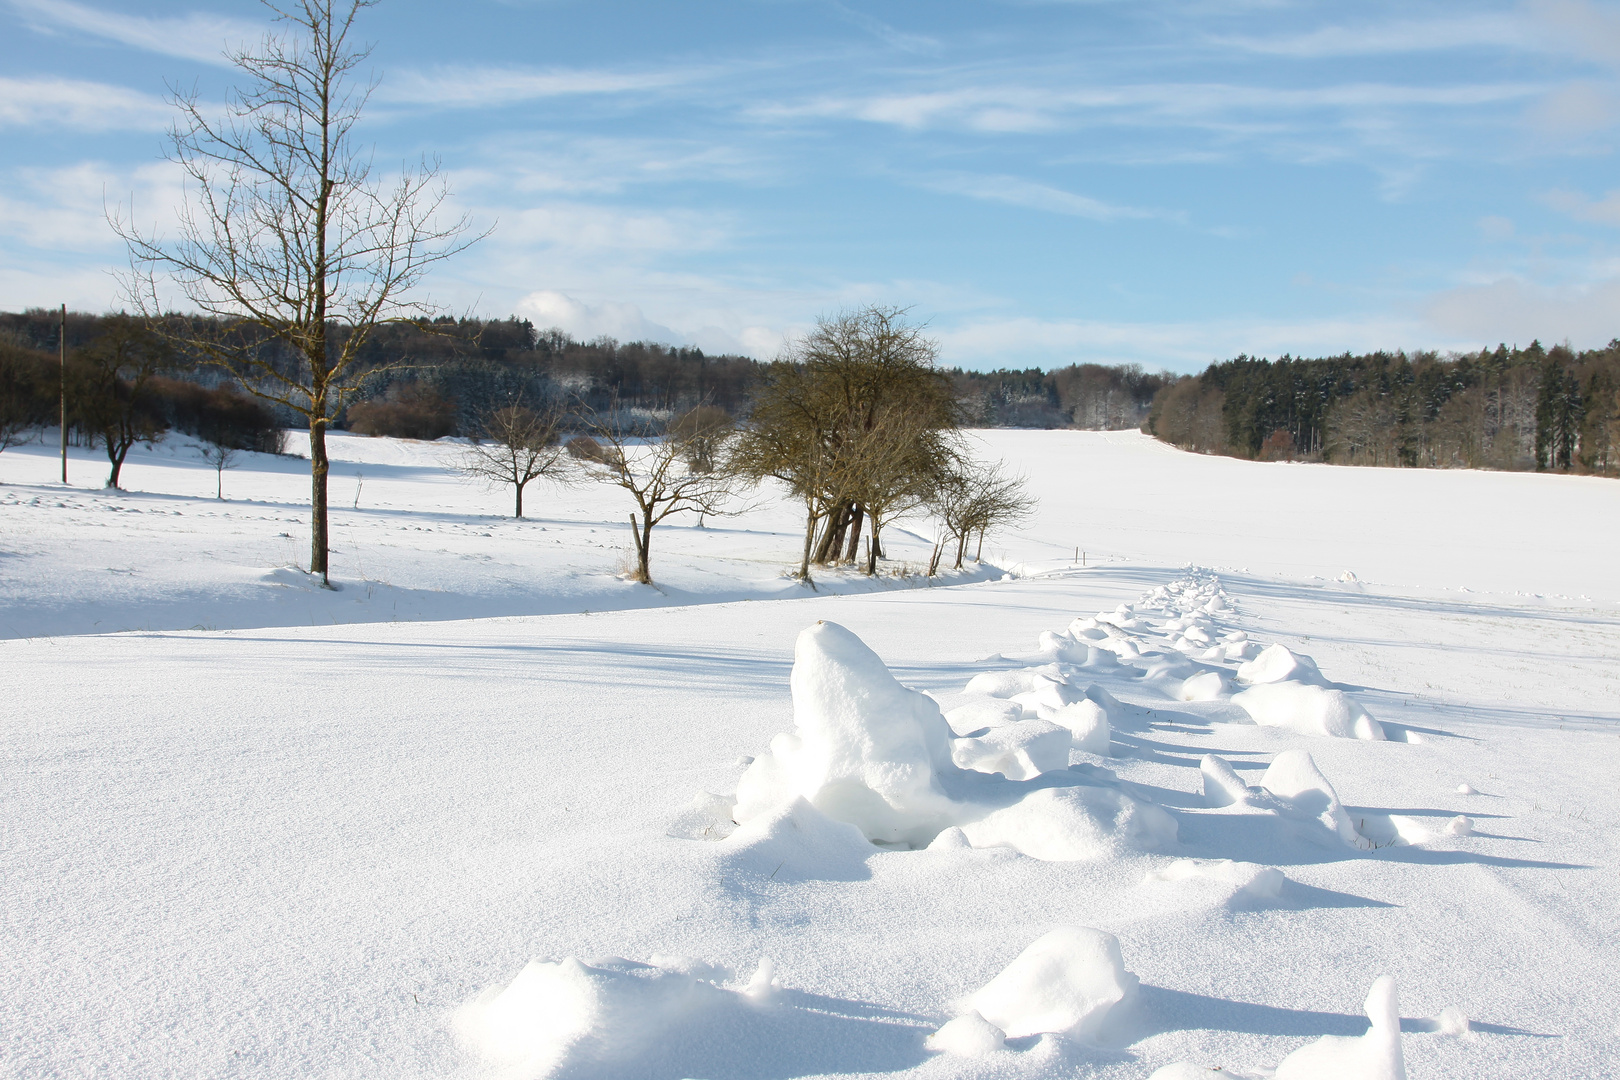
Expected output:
(524, 445)
(287, 245)
(109, 388)
(652, 467)
(221, 456)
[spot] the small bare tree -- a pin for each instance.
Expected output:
(652, 467)
(975, 498)
(524, 445)
(288, 247)
(221, 456)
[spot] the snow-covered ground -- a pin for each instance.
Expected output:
(275, 832)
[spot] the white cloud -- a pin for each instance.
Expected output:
(80, 105)
(198, 36)
(1604, 211)
(1429, 35)
(484, 87)
(1027, 193)
(1516, 312)
(64, 209)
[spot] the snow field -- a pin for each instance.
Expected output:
(472, 848)
(870, 765)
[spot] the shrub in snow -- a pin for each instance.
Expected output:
(1309, 710)
(1070, 981)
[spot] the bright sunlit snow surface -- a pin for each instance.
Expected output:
(1337, 799)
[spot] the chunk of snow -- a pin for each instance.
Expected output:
(1450, 1021)
(1017, 751)
(1373, 1056)
(863, 749)
(1466, 789)
(1209, 686)
(1069, 982)
(1309, 710)
(969, 1035)
(557, 1014)
(1277, 664)
(1294, 779)
(975, 715)
(797, 842)
(1460, 826)
(1222, 785)
(1006, 684)
(1073, 824)
(1088, 726)
(1236, 884)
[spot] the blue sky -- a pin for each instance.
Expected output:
(1043, 183)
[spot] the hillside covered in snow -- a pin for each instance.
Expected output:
(1295, 771)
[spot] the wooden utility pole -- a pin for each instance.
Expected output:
(62, 346)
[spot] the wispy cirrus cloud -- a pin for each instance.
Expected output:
(462, 87)
(1604, 211)
(80, 105)
(197, 36)
(1493, 31)
(1015, 191)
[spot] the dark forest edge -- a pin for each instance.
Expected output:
(441, 378)
(1508, 408)
(1504, 408)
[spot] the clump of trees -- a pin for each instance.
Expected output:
(860, 425)
(1531, 408)
(125, 385)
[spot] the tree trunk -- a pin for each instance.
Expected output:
(642, 548)
(978, 556)
(319, 466)
(961, 547)
(117, 450)
(809, 538)
(519, 511)
(219, 482)
(854, 534)
(832, 537)
(872, 551)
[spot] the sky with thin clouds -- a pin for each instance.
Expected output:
(1042, 182)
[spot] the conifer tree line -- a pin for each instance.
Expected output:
(1503, 408)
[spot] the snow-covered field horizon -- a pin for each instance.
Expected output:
(1292, 729)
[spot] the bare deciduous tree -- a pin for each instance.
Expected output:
(652, 467)
(524, 445)
(287, 244)
(221, 456)
(109, 388)
(976, 498)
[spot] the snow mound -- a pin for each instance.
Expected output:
(1222, 785)
(1070, 981)
(1277, 664)
(797, 842)
(970, 1035)
(563, 1015)
(864, 749)
(974, 715)
(1238, 885)
(1293, 778)
(870, 752)
(1308, 710)
(1072, 824)
(1088, 726)
(1208, 686)
(1017, 751)
(1373, 1056)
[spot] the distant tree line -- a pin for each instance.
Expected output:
(429, 379)
(1502, 408)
